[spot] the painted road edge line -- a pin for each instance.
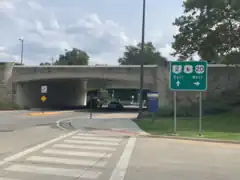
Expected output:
(121, 168)
(43, 113)
(67, 120)
(35, 148)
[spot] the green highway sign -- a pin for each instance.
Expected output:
(188, 76)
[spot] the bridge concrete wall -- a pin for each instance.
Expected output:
(25, 79)
(220, 78)
(129, 73)
(5, 75)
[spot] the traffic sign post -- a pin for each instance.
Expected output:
(188, 76)
(91, 107)
(43, 98)
(44, 90)
(152, 103)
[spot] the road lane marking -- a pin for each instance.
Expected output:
(77, 153)
(97, 138)
(83, 134)
(35, 148)
(69, 146)
(76, 173)
(121, 168)
(58, 122)
(66, 161)
(3, 178)
(96, 133)
(91, 142)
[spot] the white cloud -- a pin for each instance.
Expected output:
(46, 35)
(6, 5)
(35, 5)
(166, 51)
(2, 48)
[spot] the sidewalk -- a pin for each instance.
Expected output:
(167, 159)
(115, 122)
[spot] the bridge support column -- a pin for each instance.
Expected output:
(161, 86)
(22, 95)
(82, 93)
(5, 75)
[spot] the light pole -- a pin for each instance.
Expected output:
(21, 39)
(142, 62)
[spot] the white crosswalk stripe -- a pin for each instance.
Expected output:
(76, 153)
(92, 142)
(69, 146)
(97, 138)
(52, 171)
(70, 157)
(66, 161)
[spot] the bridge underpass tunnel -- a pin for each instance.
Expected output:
(61, 94)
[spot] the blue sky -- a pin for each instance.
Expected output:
(100, 27)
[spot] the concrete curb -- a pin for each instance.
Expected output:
(190, 139)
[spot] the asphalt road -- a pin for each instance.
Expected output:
(37, 149)
(12, 121)
(18, 130)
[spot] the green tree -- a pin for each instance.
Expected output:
(18, 64)
(73, 57)
(133, 56)
(209, 28)
(45, 64)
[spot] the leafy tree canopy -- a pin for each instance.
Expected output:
(133, 55)
(73, 57)
(45, 64)
(210, 28)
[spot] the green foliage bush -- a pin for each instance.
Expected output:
(8, 106)
(227, 101)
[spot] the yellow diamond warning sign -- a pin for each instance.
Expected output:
(43, 98)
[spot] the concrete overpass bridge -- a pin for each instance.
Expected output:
(67, 85)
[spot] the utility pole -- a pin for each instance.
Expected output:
(142, 62)
(52, 61)
(21, 40)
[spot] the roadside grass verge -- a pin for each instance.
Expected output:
(223, 126)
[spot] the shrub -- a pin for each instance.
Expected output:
(9, 106)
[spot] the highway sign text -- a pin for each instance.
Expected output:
(188, 76)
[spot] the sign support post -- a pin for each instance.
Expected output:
(200, 114)
(188, 76)
(44, 90)
(175, 112)
(91, 108)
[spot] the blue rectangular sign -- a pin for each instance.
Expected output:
(152, 101)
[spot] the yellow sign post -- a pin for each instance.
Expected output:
(43, 99)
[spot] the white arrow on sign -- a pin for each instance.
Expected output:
(197, 83)
(44, 89)
(178, 83)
